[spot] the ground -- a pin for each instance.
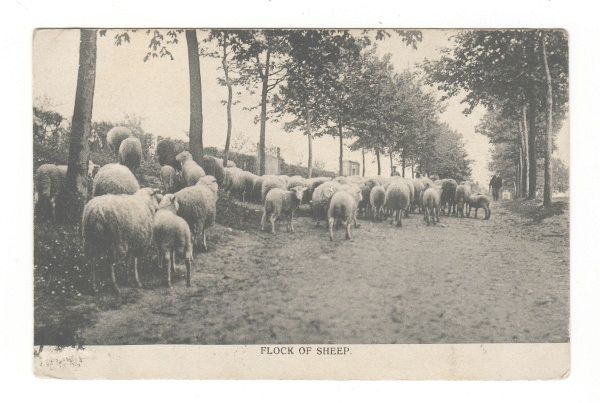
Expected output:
(463, 281)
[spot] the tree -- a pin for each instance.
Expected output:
(70, 203)
(505, 70)
(560, 176)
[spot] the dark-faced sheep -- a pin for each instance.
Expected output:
(49, 181)
(342, 210)
(463, 191)
(119, 228)
(168, 178)
(418, 197)
(448, 201)
(431, 204)
(311, 184)
(190, 170)
(214, 166)
(249, 181)
(115, 136)
(478, 201)
(257, 189)
(172, 237)
(397, 200)
(166, 151)
(114, 179)
(281, 203)
(198, 207)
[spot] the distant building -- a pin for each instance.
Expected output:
(350, 168)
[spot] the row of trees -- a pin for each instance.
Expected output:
(521, 78)
(323, 82)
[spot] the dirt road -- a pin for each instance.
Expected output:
(467, 280)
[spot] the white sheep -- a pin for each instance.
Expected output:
(168, 178)
(119, 227)
(114, 179)
(172, 237)
(190, 169)
(377, 201)
(234, 182)
(130, 153)
(397, 200)
(431, 203)
(342, 209)
(272, 182)
(49, 181)
(198, 207)
(281, 203)
(321, 198)
(115, 136)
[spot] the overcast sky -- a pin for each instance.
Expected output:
(158, 91)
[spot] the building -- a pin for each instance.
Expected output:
(272, 162)
(350, 168)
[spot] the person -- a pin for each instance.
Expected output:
(394, 172)
(495, 186)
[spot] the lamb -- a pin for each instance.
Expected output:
(167, 150)
(448, 195)
(463, 191)
(377, 200)
(478, 201)
(172, 236)
(115, 136)
(168, 178)
(119, 227)
(114, 179)
(130, 153)
(281, 203)
(49, 181)
(342, 209)
(321, 198)
(198, 207)
(272, 182)
(431, 204)
(397, 200)
(190, 169)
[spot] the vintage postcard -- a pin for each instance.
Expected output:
(301, 203)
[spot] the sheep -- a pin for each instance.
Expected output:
(115, 136)
(478, 201)
(190, 169)
(311, 184)
(463, 191)
(234, 182)
(321, 198)
(168, 178)
(119, 227)
(49, 181)
(294, 181)
(281, 203)
(249, 181)
(342, 209)
(411, 188)
(365, 204)
(377, 200)
(448, 187)
(130, 153)
(114, 179)
(272, 182)
(167, 150)
(397, 200)
(431, 204)
(198, 207)
(257, 189)
(214, 166)
(172, 236)
(419, 186)
(356, 192)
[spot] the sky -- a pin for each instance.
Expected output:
(158, 92)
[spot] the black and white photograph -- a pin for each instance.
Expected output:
(300, 186)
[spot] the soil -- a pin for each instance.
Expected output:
(462, 281)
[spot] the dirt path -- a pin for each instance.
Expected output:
(464, 281)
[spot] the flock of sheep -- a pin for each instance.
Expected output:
(122, 222)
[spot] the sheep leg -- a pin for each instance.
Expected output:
(476, 208)
(292, 222)
(172, 262)
(399, 218)
(348, 224)
(188, 272)
(135, 273)
(331, 220)
(273, 219)
(93, 265)
(263, 220)
(204, 243)
(167, 266)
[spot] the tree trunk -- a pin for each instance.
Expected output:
(525, 146)
(196, 147)
(378, 162)
(71, 201)
(263, 114)
(229, 101)
(341, 134)
(532, 149)
(364, 167)
(548, 149)
(309, 136)
(391, 163)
